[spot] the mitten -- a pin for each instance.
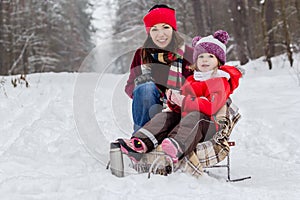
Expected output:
(174, 97)
(143, 78)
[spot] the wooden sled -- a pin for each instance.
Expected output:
(207, 154)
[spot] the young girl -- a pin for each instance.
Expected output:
(202, 95)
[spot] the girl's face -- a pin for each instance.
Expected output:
(207, 62)
(161, 34)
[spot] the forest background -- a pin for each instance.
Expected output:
(47, 35)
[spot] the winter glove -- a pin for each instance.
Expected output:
(143, 78)
(174, 97)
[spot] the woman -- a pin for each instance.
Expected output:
(159, 64)
(202, 96)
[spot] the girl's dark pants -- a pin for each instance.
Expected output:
(188, 131)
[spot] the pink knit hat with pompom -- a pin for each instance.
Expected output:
(214, 44)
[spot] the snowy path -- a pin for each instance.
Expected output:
(42, 156)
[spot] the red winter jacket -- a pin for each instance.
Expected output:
(210, 95)
(160, 75)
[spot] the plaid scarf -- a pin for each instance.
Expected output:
(175, 61)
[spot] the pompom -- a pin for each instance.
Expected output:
(222, 36)
(195, 40)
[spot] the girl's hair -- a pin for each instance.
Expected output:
(149, 46)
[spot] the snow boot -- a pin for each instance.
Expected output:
(133, 148)
(171, 148)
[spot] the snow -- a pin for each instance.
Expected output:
(55, 138)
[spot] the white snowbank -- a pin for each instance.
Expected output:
(46, 155)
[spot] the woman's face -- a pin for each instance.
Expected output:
(207, 62)
(161, 34)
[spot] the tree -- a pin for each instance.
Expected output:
(41, 36)
(268, 39)
(287, 39)
(240, 29)
(201, 25)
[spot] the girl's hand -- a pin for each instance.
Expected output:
(174, 97)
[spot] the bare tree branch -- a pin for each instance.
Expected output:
(21, 54)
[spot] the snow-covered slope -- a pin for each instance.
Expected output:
(54, 140)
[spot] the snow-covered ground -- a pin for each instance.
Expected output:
(54, 140)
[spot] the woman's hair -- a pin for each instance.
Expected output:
(149, 47)
(160, 6)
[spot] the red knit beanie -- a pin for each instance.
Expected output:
(160, 15)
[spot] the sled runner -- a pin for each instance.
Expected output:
(208, 154)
